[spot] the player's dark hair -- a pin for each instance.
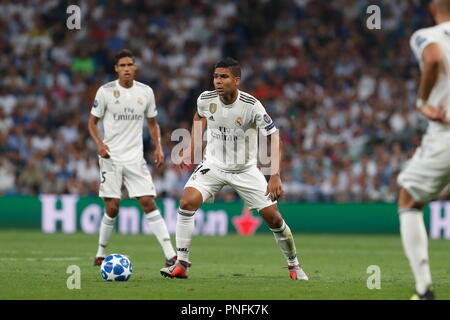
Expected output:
(122, 54)
(231, 64)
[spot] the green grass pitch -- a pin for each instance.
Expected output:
(33, 266)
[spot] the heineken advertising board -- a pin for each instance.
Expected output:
(70, 213)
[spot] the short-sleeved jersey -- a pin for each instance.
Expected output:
(123, 112)
(232, 130)
(440, 94)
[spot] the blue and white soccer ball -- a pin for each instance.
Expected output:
(116, 267)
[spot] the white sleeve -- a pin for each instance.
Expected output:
(99, 104)
(419, 41)
(263, 120)
(151, 105)
(202, 107)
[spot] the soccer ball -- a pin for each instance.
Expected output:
(116, 267)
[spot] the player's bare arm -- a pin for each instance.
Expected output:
(102, 149)
(432, 61)
(155, 133)
(274, 186)
(196, 147)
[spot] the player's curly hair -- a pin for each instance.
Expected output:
(231, 64)
(122, 54)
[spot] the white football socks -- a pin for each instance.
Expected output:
(415, 243)
(106, 229)
(184, 231)
(285, 240)
(158, 226)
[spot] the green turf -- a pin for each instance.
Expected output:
(33, 266)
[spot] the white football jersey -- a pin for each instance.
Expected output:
(123, 112)
(440, 94)
(232, 130)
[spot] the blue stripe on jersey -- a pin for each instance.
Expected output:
(420, 40)
(270, 126)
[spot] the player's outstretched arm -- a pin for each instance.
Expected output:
(102, 149)
(432, 62)
(155, 133)
(274, 186)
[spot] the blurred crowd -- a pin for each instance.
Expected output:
(342, 95)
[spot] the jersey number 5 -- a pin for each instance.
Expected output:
(103, 176)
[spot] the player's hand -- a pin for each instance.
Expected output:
(186, 162)
(103, 151)
(435, 113)
(274, 188)
(185, 159)
(159, 157)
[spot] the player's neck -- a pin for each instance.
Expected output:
(229, 98)
(442, 18)
(127, 84)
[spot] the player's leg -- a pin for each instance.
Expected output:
(426, 174)
(415, 241)
(110, 191)
(284, 239)
(106, 228)
(158, 227)
(251, 187)
(190, 201)
(202, 185)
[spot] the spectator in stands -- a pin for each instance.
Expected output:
(345, 108)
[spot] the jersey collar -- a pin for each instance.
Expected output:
(123, 88)
(231, 105)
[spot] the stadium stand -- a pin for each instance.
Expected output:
(341, 94)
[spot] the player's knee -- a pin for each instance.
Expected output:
(112, 208)
(272, 216)
(148, 205)
(407, 201)
(273, 221)
(112, 211)
(189, 203)
(276, 222)
(191, 200)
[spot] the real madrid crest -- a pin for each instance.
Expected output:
(212, 107)
(140, 101)
(239, 121)
(116, 94)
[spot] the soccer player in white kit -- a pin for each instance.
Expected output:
(428, 171)
(124, 105)
(233, 119)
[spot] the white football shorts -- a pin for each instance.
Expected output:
(428, 171)
(250, 185)
(135, 176)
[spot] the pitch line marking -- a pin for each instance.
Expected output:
(41, 259)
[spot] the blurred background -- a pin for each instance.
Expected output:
(342, 95)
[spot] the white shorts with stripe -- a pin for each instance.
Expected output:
(136, 178)
(250, 185)
(428, 171)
